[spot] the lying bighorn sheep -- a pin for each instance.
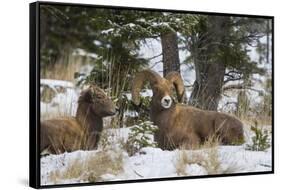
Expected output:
(83, 130)
(183, 125)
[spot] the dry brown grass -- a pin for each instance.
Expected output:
(181, 162)
(90, 169)
(212, 163)
(65, 67)
(61, 71)
(260, 121)
(212, 142)
(111, 139)
(207, 157)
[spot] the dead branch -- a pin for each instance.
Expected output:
(240, 87)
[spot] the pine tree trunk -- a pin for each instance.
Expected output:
(267, 40)
(209, 66)
(207, 88)
(43, 28)
(170, 50)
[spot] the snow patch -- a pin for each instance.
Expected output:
(156, 163)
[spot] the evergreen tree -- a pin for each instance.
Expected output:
(219, 48)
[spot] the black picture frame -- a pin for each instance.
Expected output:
(34, 98)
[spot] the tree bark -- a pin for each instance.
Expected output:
(267, 40)
(170, 50)
(209, 65)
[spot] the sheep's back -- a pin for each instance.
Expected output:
(230, 128)
(60, 135)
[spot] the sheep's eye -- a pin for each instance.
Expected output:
(99, 97)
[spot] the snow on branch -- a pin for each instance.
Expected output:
(241, 87)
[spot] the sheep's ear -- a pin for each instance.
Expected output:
(85, 95)
(176, 80)
(138, 82)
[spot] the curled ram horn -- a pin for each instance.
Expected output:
(139, 80)
(175, 78)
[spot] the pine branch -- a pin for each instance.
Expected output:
(233, 75)
(228, 103)
(240, 87)
(154, 57)
(232, 71)
(154, 64)
(232, 79)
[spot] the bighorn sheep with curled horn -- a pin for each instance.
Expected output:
(79, 132)
(183, 125)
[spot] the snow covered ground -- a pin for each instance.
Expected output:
(81, 166)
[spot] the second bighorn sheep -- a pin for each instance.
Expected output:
(183, 125)
(79, 132)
